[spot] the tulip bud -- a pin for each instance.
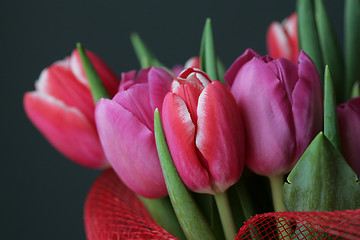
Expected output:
(193, 62)
(282, 39)
(62, 108)
(281, 106)
(204, 132)
(349, 125)
(126, 129)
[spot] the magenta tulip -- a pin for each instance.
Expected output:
(62, 108)
(204, 132)
(126, 129)
(282, 39)
(349, 124)
(282, 109)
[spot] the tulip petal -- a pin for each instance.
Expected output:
(180, 134)
(349, 123)
(66, 128)
(307, 105)
(108, 77)
(159, 82)
(266, 112)
(287, 73)
(189, 92)
(136, 101)
(177, 69)
(59, 82)
(127, 80)
(290, 27)
(278, 44)
(193, 62)
(219, 125)
(137, 165)
(239, 62)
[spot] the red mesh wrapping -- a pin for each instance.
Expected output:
(112, 212)
(303, 225)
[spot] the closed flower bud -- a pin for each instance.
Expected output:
(281, 106)
(126, 129)
(204, 132)
(282, 39)
(62, 108)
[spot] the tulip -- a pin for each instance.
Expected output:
(282, 109)
(204, 132)
(126, 129)
(193, 62)
(282, 39)
(128, 79)
(349, 125)
(62, 108)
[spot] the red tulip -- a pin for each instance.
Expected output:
(204, 132)
(282, 39)
(126, 129)
(281, 107)
(349, 124)
(62, 108)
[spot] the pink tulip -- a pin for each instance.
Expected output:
(126, 129)
(204, 132)
(281, 106)
(282, 39)
(349, 124)
(62, 108)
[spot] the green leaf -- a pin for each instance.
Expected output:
(236, 206)
(162, 212)
(352, 46)
(321, 180)
(331, 128)
(355, 90)
(207, 52)
(97, 87)
(221, 70)
(330, 49)
(244, 198)
(308, 36)
(242, 205)
(191, 219)
(143, 53)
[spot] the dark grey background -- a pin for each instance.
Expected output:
(43, 193)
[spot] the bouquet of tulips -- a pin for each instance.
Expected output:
(204, 147)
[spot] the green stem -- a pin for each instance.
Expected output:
(227, 221)
(283, 226)
(276, 184)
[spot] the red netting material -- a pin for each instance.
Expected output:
(112, 212)
(303, 225)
